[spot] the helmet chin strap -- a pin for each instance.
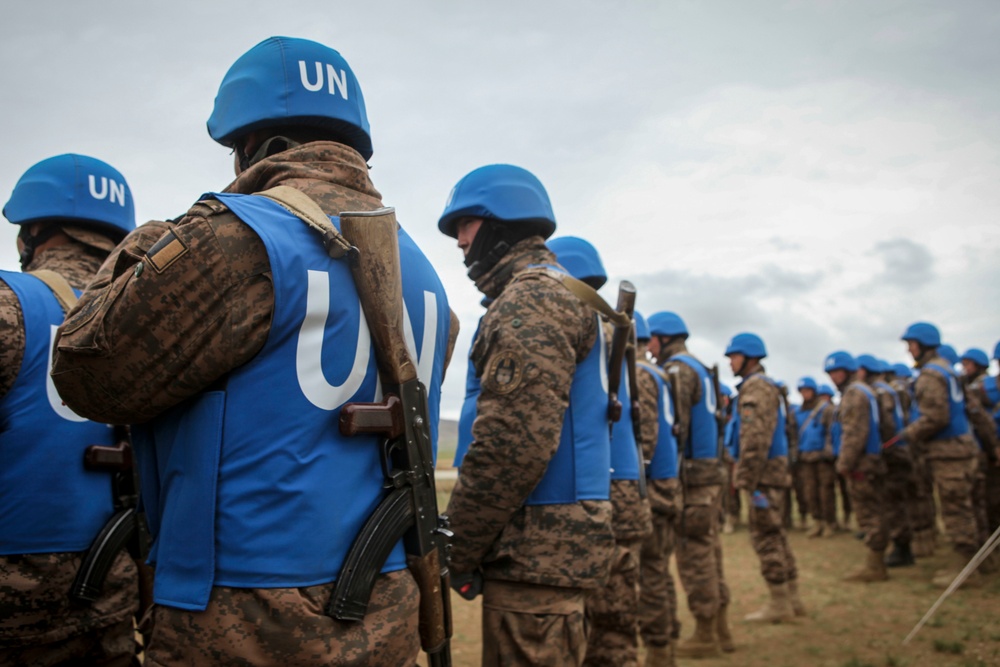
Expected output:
(29, 243)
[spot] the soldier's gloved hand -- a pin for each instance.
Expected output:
(759, 500)
(468, 585)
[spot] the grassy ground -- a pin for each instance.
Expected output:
(848, 625)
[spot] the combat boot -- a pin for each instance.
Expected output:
(793, 596)
(872, 570)
(660, 656)
(816, 530)
(777, 610)
(901, 555)
(722, 629)
(829, 529)
(702, 644)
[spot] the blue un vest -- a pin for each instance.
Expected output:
(873, 445)
(49, 503)
(779, 441)
(812, 435)
(473, 386)
(253, 486)
(958, 422)
(664, 463)
(897, 411)
(624, 450)
(581, 467)
(703, 433)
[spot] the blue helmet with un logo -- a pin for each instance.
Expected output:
(501, 192)
(924, 333)
(747, 344)
(641, 326)
(580, 258)
(77, 189)
(286, 81)
(807, 383)
(840, 360)
(977, 356)
(667, 323)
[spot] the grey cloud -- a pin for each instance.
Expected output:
(907, 263)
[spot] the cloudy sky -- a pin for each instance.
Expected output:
(821, 173)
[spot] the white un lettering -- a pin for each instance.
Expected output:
(336, 83)
(117, 189)
(55, 402)
(309, 350)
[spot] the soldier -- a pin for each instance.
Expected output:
(658, 623)
(613, 611)
(759, 444)
(530, 510)
(224, 333)
(860, 462)
(940, 429)
(814, 418)
(71, 210)
(990, 396)
(975, 363)
(699, 550)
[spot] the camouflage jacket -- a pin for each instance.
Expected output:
(855, 424)
(980, 419)
(886, 411)
(664, 494)
(759, 404)
(530, 340)
(34, 605)
(931, 396)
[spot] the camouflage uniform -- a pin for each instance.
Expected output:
(699, 548)
(613, 611)
(759, 403)
(38, 623)
(984, 429)
(922, 509)
(865, 472)
(537, 560)
(951, 461)
(900, 480)
(658, 624)
(219, 285)
(816, 469)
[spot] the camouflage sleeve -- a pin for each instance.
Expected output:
(854, 423)
(166, 319)
(931, 395)
(11, 338)
(827, 417)
(982, 424)
(758, 406)
(529, 343)
(687, 393)
(886, 415)
(649, 413)
(453, 330)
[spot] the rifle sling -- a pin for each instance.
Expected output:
(305, 208)
(585, 293)
(60, 287)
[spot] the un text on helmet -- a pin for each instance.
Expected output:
(336, 83)
(117, 189)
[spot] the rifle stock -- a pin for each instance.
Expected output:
(619, 341)
(411, 507)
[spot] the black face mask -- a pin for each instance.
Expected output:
(30, 243)
(493, 240)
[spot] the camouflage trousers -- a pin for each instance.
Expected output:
(39, 625)
(286, 627)
(979, 508)
(613, 612)
(923, 512)
(799, 490)
(731, 498)
(819, 480)
(768, 537)
(992, 498)
(868, 498)
(658, 623)
(699, 552)
(530, 624)
(954, 479)
(900, 489)
(845, 498)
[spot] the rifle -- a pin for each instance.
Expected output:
(619, 341)
(720, 412)
(633, 390)
(125, 529)
(410, 509)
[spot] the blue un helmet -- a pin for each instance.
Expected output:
(902, 371)
(285, 81)
(840, 360)
(580, 258)
(924, 333)
(948, 353)
(996, 351)
(748, 344)
(641, 327)
(870, 363)
(806, 383)
(825, 390)
(991, 392)
(977, 356)
(74, 189)
(500, 192)
(666, 323)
